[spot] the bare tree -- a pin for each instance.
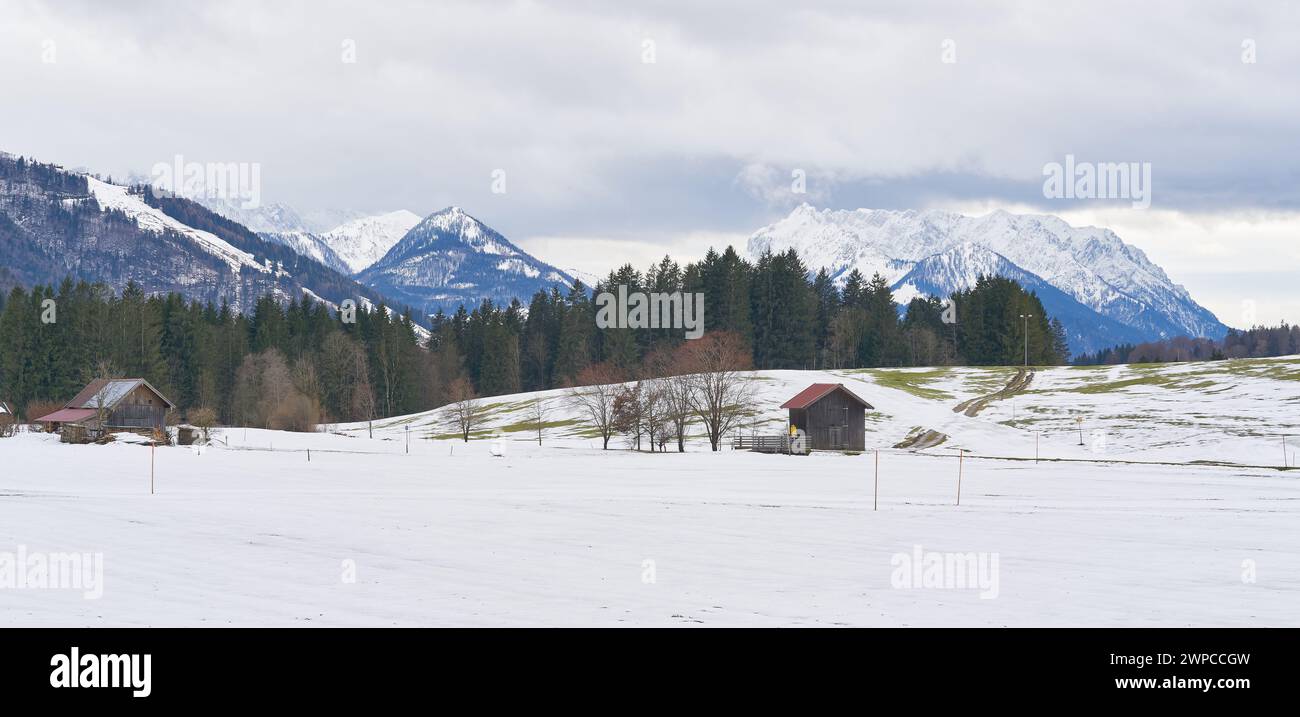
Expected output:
(204, 419)
(655, 412)
(266, 394)
(465, 409)
(676, 386)
(721, 392)
(627, 417)
(594, 398)
(539, 411)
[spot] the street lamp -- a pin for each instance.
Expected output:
(1026, 317)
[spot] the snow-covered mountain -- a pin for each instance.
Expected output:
(363, 241)
(263, 219)
(311, 246)
(55, 224)
(450, 258)
(352, 246)
(1104, 291)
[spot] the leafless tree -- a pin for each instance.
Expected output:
(204, 419)
(721, 392)
(655, 413)
(598, 385)
(539, 410)
(627, 417)
(267, 394)
(465, 409)
(672, 374)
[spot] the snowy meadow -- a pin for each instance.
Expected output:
(1168, 504)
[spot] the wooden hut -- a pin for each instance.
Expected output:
(116, 403)
(832, 417)
(8, 420)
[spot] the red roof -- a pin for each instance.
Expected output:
(817, 392)
(67, 415)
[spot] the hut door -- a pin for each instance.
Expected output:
(836, 437)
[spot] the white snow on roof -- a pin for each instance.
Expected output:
(112, 196)
(110, 394)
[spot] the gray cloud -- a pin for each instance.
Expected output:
(595, 141)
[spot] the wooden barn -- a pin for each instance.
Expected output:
(8, 420)
(832, 416)
(115, 403)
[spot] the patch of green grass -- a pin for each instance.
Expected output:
(913, 382)
(486, 433)
(1148, 380)
(531, 426)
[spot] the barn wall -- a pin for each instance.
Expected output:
(142, 408)
(828, 412)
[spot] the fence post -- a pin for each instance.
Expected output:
(961, 454)
(875, 496)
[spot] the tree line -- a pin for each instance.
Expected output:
(1255, 342)
(284, 365)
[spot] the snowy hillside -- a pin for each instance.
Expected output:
(118, 198)
(310, 246)
(274, 217)
(450, 258)
(1150, 523)
(1220, 411)
(362, 242)
(1133, 298)
(269, 218)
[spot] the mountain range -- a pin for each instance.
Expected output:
(1104, 291)
(55, 223)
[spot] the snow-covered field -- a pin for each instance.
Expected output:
(1173, 512)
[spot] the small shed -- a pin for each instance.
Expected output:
(126, 403)
(8, 420)
(832, 416)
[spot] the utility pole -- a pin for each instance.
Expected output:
(1026, 317)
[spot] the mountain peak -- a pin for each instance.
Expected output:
(450, 258)
(363, 241)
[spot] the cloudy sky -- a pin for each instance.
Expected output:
(627, 130)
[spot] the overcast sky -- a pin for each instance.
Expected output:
(609, 156)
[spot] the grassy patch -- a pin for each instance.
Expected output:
(1148, 380)
(531, 426)
(913, 382)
